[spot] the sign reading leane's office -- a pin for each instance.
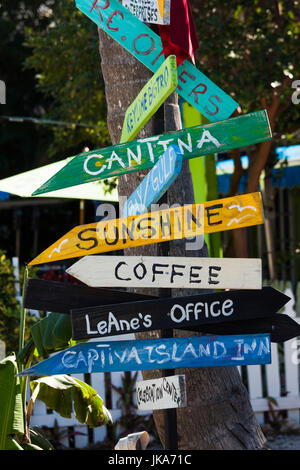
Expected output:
(155, 227)
(142, 154)
(150, 98)
(162, 393)
(169, 272)
(178, 312)
(149, 11)
(151, 354)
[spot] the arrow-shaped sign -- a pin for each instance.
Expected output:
(169, 272)
(151, 354)
(149, 99)
(279, 326)
(155, 227)
(137, 38)
(155, 183)
(177, 312)
(142, 154)
(61, 297)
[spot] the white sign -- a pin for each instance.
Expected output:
(166, 271)
(163, 393)
(149, 11)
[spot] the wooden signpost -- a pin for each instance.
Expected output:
(151, 354)
(240, 324)
(176, 312)
(155, 183)
(154, 11)
(162, 393)
(142, 154)
(137, 38)
(150, 98)
(168, 272)
(61, 297)
(154, 227)
(279, 326)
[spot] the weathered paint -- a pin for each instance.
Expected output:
(137, 38)
(151, 354)
(220, 311)
(170, 272)
(155, 183)
(142, 154)
(155, 227)
(154, 11)
(162, 393)
(150, 98)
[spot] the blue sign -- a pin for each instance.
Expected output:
(155, 183)
(137, 38)
(150, 354)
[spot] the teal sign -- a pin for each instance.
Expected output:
(137, 38)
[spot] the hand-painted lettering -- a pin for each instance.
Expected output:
(210, 214)
(193, 311)
(85, 239)
(110, 19)
(211, 274)
(197, 92)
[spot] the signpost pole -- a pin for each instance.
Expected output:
(170, 415)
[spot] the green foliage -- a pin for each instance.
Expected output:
(251, 49)
(66, 60)
(9, 306)
(62, 393)
(10, 309)
(52, 333)
(22, 145)
(11, 409)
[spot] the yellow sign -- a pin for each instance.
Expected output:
(155, 227)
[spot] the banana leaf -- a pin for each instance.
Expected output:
(60, 392)
(11, 409)
(52, 333)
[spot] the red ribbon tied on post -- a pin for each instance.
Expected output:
(179, 37)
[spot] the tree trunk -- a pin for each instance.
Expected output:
(219, 413)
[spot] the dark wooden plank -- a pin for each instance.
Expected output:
(61, 297)
(177, 312)
(280, 327)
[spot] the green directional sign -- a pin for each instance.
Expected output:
(150, 98)
(142, 154)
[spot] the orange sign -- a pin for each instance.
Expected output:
(155, 227)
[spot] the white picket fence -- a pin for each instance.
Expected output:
(278, 380)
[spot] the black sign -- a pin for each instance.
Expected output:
(280, 327)
(178, 312)
(61, 297)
